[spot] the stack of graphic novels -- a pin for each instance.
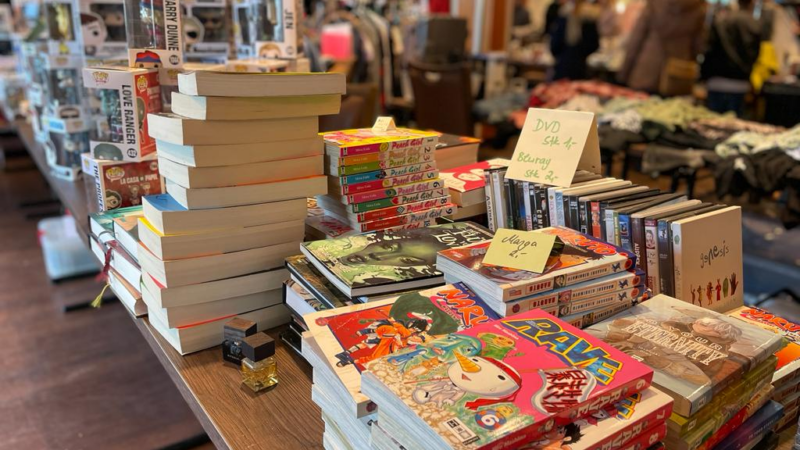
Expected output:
(467, 186)
(341, 341)
(239, 162)
(507, 384)
(717, 369)
(588, 281)
(384, 179)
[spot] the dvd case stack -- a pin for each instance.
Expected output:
(509, 383)
(786, 381)
(214, 245)
(342, 341)
(384, 179)
(588, 281)
(717, 368)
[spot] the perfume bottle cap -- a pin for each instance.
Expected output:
(258, 346)
(237, 329)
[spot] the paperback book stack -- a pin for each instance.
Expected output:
(384, 179)
(588, 281)
(114, 240)
(467, 187)
(342, 341)
(240, 155)
(717, 369)
(786, 381)
(509, 384)
(686, 248)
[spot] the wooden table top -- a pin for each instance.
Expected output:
(233, 416)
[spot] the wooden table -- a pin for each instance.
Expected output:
(232, 415)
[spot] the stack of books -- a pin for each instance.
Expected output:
(240, 155)
(384, 179)
(717, 368)
(342, 341)
(588, 281)
(454, 151)
(467, 186)
(114, 241)
(514, 383)
(786, 381)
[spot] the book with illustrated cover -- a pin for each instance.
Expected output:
(386, 261)
(121, 184)
(315, 283)
(467, 182)
(365, 141)
(788, 356)
(352, 336)
(583, 258)
(502, 383)
(695, 352)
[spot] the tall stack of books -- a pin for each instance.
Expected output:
(514, 383)
(588, 281)
(342, 341)
(717, 368)
(384, 179)
(240, 155)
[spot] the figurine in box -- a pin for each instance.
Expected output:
(119, 184)
(126, 96)
(205, 30)
(112, 14)
(63, 36)
(63, 90)
(155, 38)
(278, 28)
(103, 29)
(244, 29)
(66, 140)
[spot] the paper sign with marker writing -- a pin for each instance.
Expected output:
(553, 145)
(524, 250)
(384, 124)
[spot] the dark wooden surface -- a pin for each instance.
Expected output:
(232, 416)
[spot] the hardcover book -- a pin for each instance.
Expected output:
(583, 258)
(694, 352)
(352, 336)
(386, 261)
(788, 356)
(502, 383)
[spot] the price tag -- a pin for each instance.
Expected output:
(553, 145)
(384, 124)
(524, 250)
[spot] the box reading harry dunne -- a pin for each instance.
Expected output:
(126, 97)
(155, 37)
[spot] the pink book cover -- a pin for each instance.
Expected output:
(470, 177)
(507, 382)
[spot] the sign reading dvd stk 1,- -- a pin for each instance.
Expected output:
(553, 145)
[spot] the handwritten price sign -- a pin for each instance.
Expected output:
(524, 250)
(553, 145)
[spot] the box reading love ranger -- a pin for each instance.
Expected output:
(502, 383)
(694, 352)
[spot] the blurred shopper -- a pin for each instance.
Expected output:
(733, 45)
(574, 38)
(667, 30)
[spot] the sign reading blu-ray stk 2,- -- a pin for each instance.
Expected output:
(553, 145)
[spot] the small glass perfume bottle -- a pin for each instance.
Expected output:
(259, 367)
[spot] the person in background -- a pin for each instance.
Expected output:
(666, 29)
(574, 38)
(733, 45)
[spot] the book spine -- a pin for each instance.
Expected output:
(500, 204)
(99, 181)
(490, 200)
(383, 147)
(406, 189)
(665, 270)
(637, 242)
(677, 263)
(565, 218)
(618, 237)
(584, 216)
(510, 201)
(433, 213)
(651, 255)
(546, 300)
(609, 398)
(540, 205)
(608, 228)
(590, 318)
(399, 210)
(387, 163)
(522, 209)
(624, 231)
(385, 156)
(574, 218)
(527, 192)
(650, 437)
(634, 430)
(386, 173)
(600, 301)
(551, 206)
(388, 182)
(398, 200)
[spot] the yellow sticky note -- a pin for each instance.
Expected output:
(524, 250)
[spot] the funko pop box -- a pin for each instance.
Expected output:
(267, 28)
(155, 34)
(122, 184)
(63, 27)
(103, 29)
(66, 140)
(128, 95)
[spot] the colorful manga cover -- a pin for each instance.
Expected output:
(470, 177)
(583, 258)
(788, 356)
(366, 140)
(385, 259)
(694, 352)
(352, 336)
(510, 381)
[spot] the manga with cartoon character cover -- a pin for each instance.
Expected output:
(502, 384)
(351, 336)
(389, 260)
(695, 352)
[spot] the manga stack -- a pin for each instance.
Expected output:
(468, 188)
(524, 381)
(342, 341)
(588, 281)
(379, 179)
(717, 368)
